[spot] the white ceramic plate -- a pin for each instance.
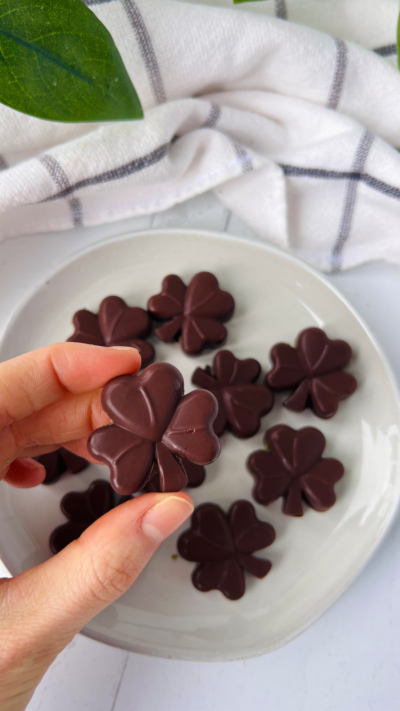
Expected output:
(314, 558)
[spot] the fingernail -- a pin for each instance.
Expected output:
(123, 348)
(164, 518)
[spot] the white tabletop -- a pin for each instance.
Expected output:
(348, 660)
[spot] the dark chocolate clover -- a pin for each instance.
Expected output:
(195, 312)
(314, 370)
(81, 510)
(223, 545)
(195, 476)
(154, 426)
(89, 505)
(116, 325)
(60, 461)
(293, 467)
(241, 402)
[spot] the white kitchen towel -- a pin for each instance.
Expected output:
(371, 23)
(297, 132)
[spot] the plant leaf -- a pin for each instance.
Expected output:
(59, 62)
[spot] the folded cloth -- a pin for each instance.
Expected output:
(296, 132)
(367, 22)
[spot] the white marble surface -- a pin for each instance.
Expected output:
(349, 660)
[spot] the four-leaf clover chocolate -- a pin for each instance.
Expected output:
(115, 325)
(195, 313)
(154, 425)
(314, 370)
(293, 467)
(223, 546)
(60, 461)
(241, 401)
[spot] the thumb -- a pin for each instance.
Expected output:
(43, 608)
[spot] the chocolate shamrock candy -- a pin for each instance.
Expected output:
(116, 325)
(81, 510)
(241, 403)
(154, 426)
(292, 467)
(195, 476)
(194, 312)
(314, 370)
(223, 545)
(60, 461)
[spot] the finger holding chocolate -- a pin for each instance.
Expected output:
(155, 428)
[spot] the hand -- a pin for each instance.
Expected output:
(47, 398)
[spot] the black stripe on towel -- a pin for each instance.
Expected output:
(338, 78)
(243, 157)
(281, 9)
(213, 117)
(61, 180)
(294, 171)
(146, 49)
(123, 171)
(388, 51)
(350, 201)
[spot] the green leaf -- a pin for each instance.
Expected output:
(59, 62)
(236, 2)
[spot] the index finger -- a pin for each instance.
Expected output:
(34, 380)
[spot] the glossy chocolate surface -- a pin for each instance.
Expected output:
(314, 370)
(82, 509)
(117, 324)
(241, 402)
(194, 313)
(154, 425)
(60, 461)
(87, 329)
(293, 468)
(195, 473)
(223, 546)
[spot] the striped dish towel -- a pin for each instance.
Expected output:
(296, 132)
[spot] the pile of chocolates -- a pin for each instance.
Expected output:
(161, 439)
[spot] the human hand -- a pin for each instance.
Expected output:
(48, 398)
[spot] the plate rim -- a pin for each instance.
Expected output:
(210, 656)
